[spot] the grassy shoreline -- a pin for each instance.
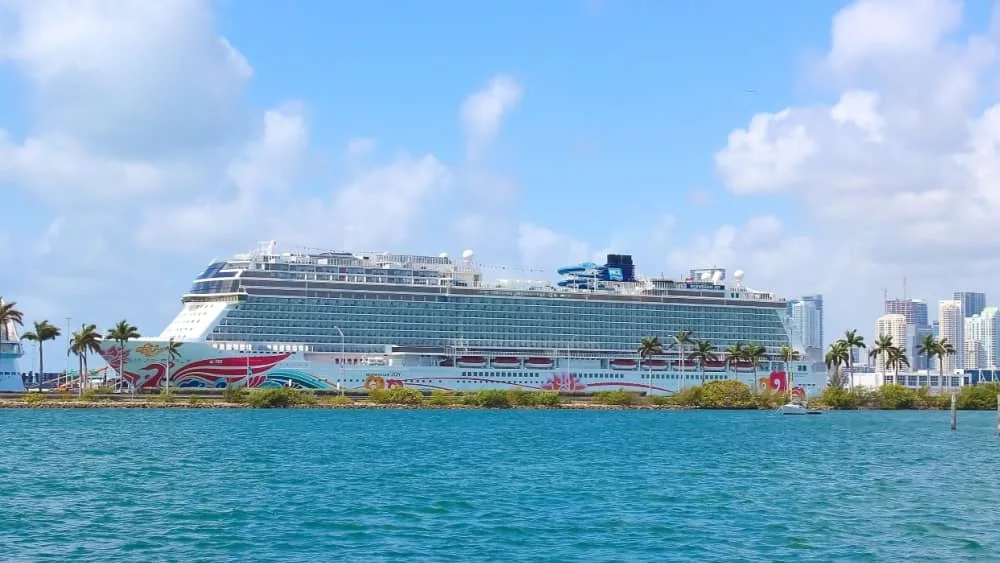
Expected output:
(714, 395)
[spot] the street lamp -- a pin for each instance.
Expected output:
(680, 357)
(343, 354)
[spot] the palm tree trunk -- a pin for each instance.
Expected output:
(41, 364)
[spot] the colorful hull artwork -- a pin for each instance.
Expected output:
(196, 364)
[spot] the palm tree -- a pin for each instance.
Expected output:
(173, 353)
(735, 354)
(928, 347)
(883, 344)
(754, 353)
(121, 333)
(944, 348)
(853, 340)
(650, 346)
(836, 356)
(83, 342)
(896, 357)
(787, 355)
(9, 313)
(681, 340)
(76, 348)
(44, 331)
(703, 351)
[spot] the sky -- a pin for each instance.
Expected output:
(821, 147)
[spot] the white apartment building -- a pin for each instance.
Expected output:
(893, 325)
(951, 324)
(981, 340)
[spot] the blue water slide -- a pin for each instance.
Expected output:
(571, 269)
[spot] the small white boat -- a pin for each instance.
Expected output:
(797, 408)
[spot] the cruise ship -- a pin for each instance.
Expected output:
(362, 321)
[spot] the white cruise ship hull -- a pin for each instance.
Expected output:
(198, 364)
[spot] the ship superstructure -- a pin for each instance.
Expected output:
(364, 320)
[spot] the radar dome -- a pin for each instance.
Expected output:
(467, 254)
(705, 276)
(738, 275)
(443, 255)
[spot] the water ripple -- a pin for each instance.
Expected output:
(207, 485)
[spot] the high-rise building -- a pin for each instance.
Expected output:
(952, 327)
(982, 340)
(915, 310)
(804, 318)
(893, 325)
(918, 325)
(973, 302)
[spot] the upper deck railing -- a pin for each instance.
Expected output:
(318, 270)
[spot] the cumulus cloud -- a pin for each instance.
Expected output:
(483, 112)
(903, 167)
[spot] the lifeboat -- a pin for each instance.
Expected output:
(623, 364)
(539, 363)
(506, 362)
(742, 364)
(471, 362)
(685, 363)
(447, 363)
(716, 364)
(654, 364)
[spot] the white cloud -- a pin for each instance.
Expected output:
(760, 247)
(127, 78)
(904, 169)
(359, 148)
(540, 246)
(483, 112)
(51, 235)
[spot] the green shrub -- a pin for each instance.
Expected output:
(687, 397)
(768, 398)
(619, 397)
(895, 396)
(396, 396)
(660, 400)
(88, 395)
(340, 400)
(195, 401)
(33, 398)
(727, 394)
(487, 398)
(925, 400)
(163, 398)
(837, 398)
(235, 395)
(547, 399)
(440, 398)
(982, 396)
(279, 397)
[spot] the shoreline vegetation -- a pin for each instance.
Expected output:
(713, 395)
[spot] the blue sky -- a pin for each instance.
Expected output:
(140, 142)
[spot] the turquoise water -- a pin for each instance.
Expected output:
(207, 485)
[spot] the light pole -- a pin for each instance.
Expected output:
(343, 354)
(69, 342)
(680, 357)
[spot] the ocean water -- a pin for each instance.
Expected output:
(364, 485)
